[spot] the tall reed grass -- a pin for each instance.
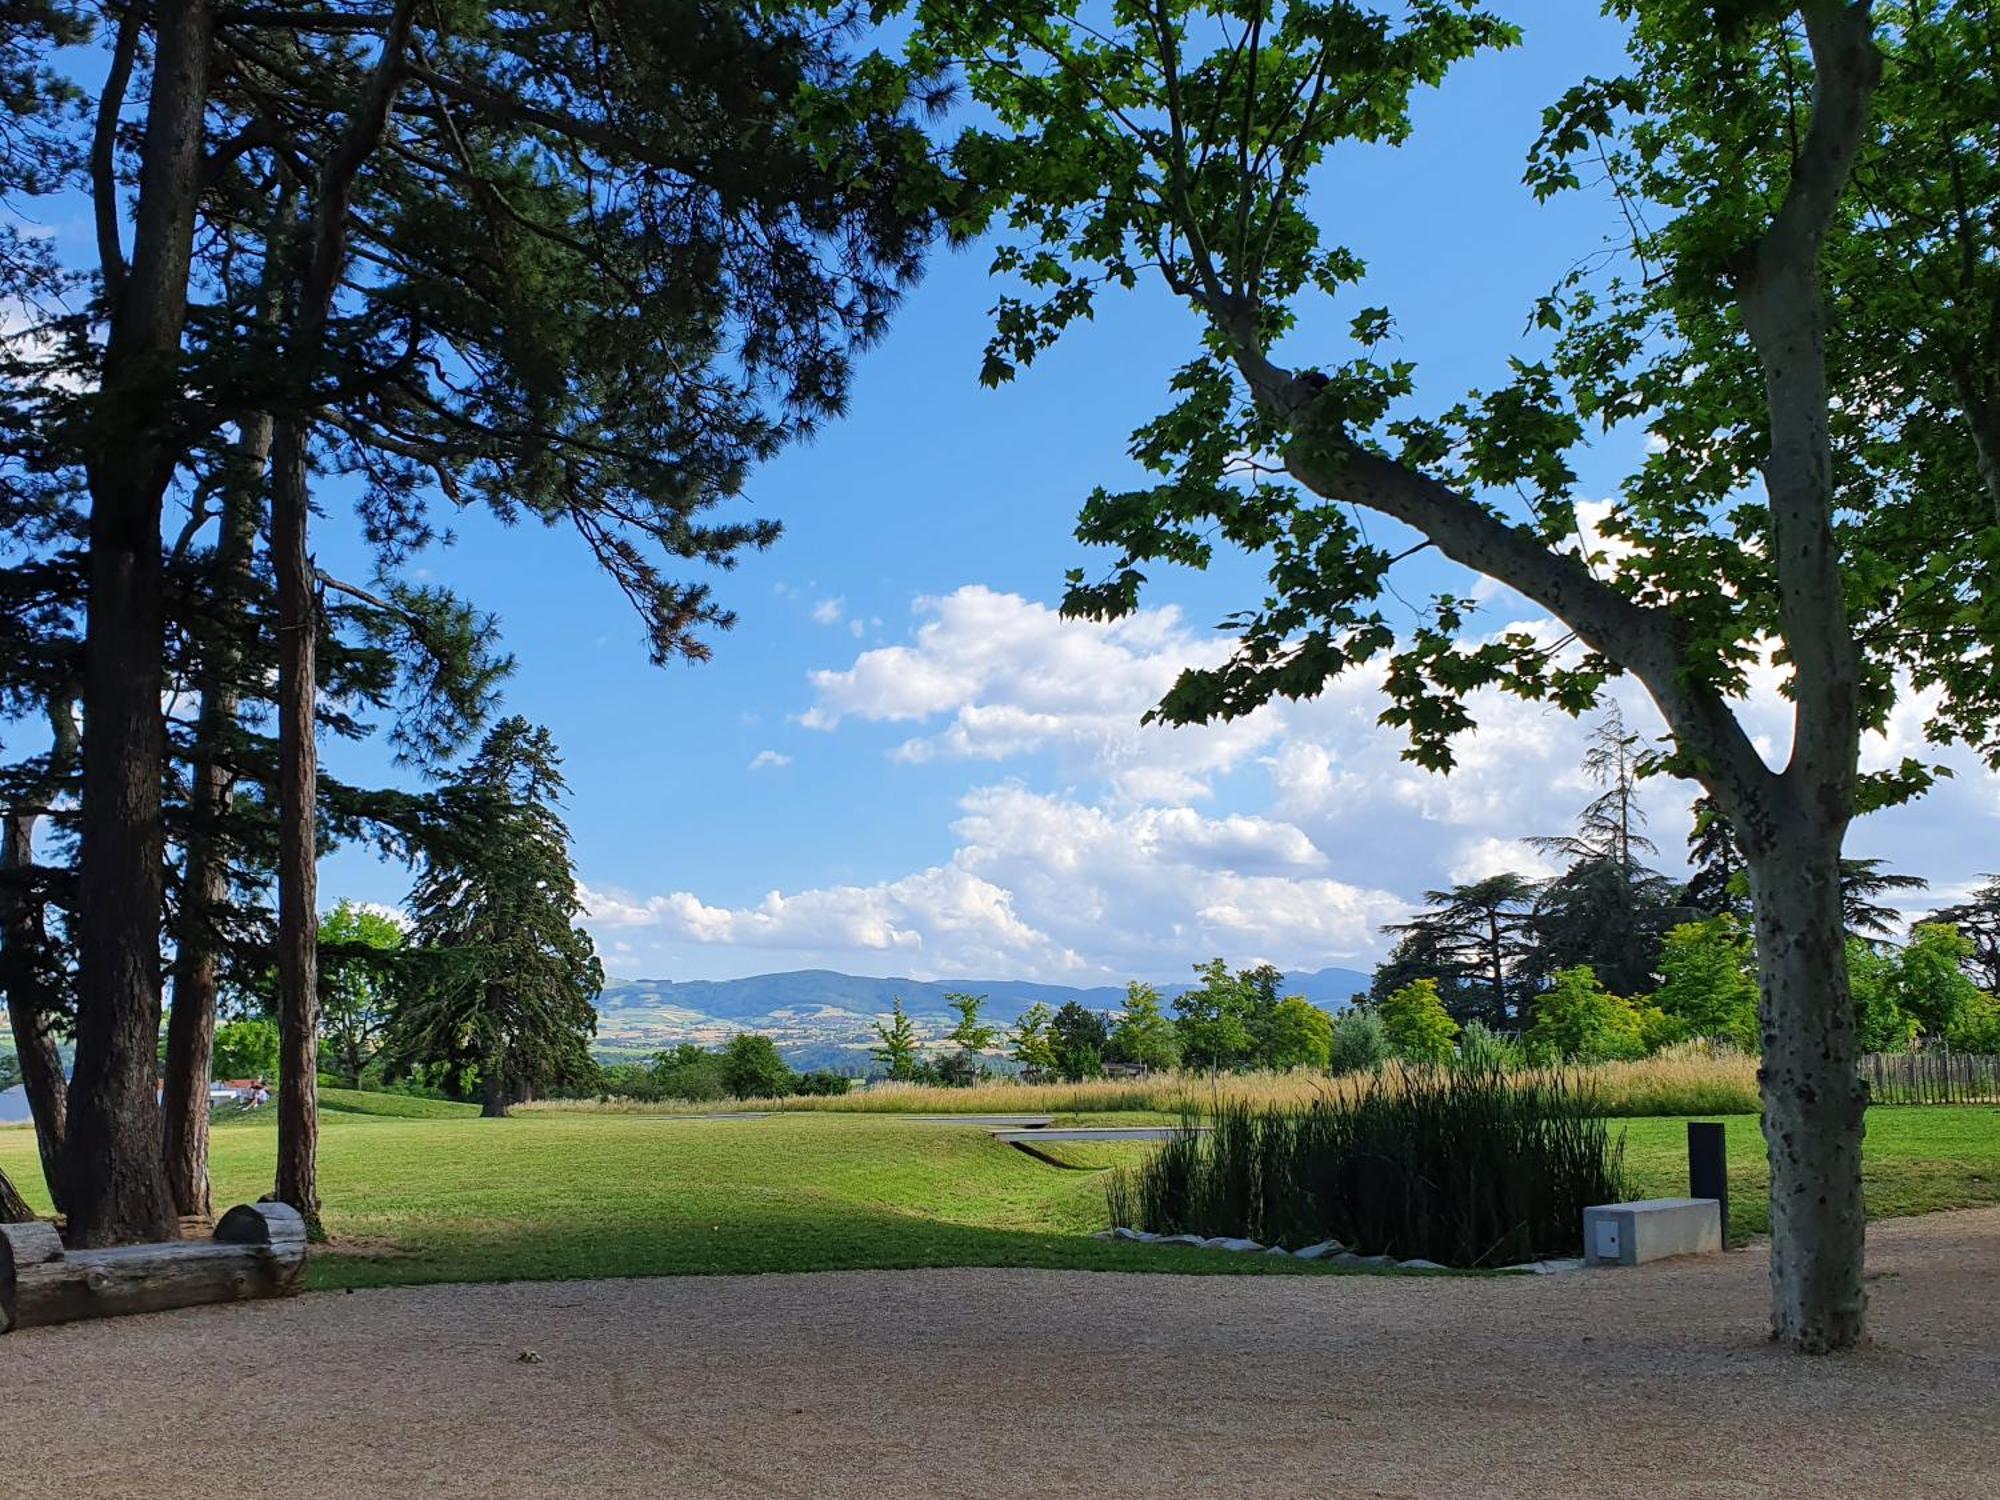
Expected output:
(1464, 1167)
(1691, 1079)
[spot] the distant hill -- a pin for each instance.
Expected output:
(802, 993)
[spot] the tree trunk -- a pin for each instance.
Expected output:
(112, 1171)
(33, 997)
(191, 1021)
(298, 831)
(13, 1207)
(493, 1089)
(1814, 1101)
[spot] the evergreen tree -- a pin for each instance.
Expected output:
(1475, 940)
(1719, 885)
(500, 978)
(1977, 919)
(1861, 882)
(898, 1050)
(1606, 911)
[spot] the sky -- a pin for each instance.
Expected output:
(902, 762)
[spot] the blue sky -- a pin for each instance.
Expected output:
(900, 762)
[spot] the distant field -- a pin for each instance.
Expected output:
(451, 1197)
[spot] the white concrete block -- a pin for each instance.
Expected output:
(1630, 1234)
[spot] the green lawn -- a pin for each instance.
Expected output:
(1917, 1160)
(450, 1197)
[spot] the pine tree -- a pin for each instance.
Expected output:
(499, 978)
(1475, 940)
(1978, 919)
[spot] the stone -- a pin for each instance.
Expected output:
(1318, 1252)
(1140, 1235)
(1421, 1264)
(1240, 1246)
(1631, 1234)
(1373, 1260)
(1194, 1240)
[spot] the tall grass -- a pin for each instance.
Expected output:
(1692, 1079)
(1463, 1167)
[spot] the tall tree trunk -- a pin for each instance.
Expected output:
(33, 1003)
(113, 1174)
(1814, 1101)
(298, 829)
(493, 1088)
(191, 1021)
(34, 999)
(14, 1208)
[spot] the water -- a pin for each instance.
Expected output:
(14, 1106)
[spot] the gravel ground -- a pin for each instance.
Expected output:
(1031, 1384)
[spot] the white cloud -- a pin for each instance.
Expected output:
(1112, 850)
(765, 760)
(829, 611)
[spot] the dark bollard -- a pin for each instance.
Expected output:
(1708, 1167)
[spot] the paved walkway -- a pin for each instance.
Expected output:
(1606, 1384)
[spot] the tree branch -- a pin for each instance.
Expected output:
(103, 155)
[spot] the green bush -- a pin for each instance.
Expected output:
(1461, 1167)
(1359, 1043)
(821, 1082)
(752, 1069)
(1416, 1024)
(1484, 1050)
(1578, 1020)
(246, 1049)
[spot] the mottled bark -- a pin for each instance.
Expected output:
(493, 1089)
(205, 883)
(113, 1172)
(1814, 1102)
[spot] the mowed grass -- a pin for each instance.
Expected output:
(1916, 1160)
(451, 1197)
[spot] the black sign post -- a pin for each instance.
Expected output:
(1708, 1166)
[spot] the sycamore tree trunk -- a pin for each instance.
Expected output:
(205, 884)
(1814, 1101)
(298, 830)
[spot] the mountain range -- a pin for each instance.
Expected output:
(812, 989)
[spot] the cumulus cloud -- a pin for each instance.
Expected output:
(769, 760)
(1085, 846)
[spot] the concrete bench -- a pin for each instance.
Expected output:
(1630, 1234)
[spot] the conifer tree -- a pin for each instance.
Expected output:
(499, 978)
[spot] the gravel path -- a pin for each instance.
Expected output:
(1031, 1384)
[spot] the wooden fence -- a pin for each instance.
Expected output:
(1939, 1077)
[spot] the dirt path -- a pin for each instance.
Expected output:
(1031, 1384)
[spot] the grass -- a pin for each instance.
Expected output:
(1680, 1081)
(1916, 1160)
(556, 1195)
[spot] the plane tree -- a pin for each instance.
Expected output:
(1199, 144)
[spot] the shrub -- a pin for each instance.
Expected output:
(1464, 1168)
(1578, 1020)
(1143, 1034)
(1708, 986)
(1416, 1024)
(1359, 1043)
(956, 1070)
(1481, 1049)
(1300, 1035)
(821, 1083)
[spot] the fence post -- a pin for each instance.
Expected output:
(1708, 1166)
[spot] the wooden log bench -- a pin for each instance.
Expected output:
(258, 1250)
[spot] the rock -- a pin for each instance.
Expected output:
(1555, 1267)
(1344, 1258)
(1422, 1265)
(1240, 1246)
(1144, 1237)
(1274, 1250)
(1372, 1260)
(1194, 1240)
(1320, 1251)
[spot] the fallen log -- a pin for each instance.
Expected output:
(259, 1250)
